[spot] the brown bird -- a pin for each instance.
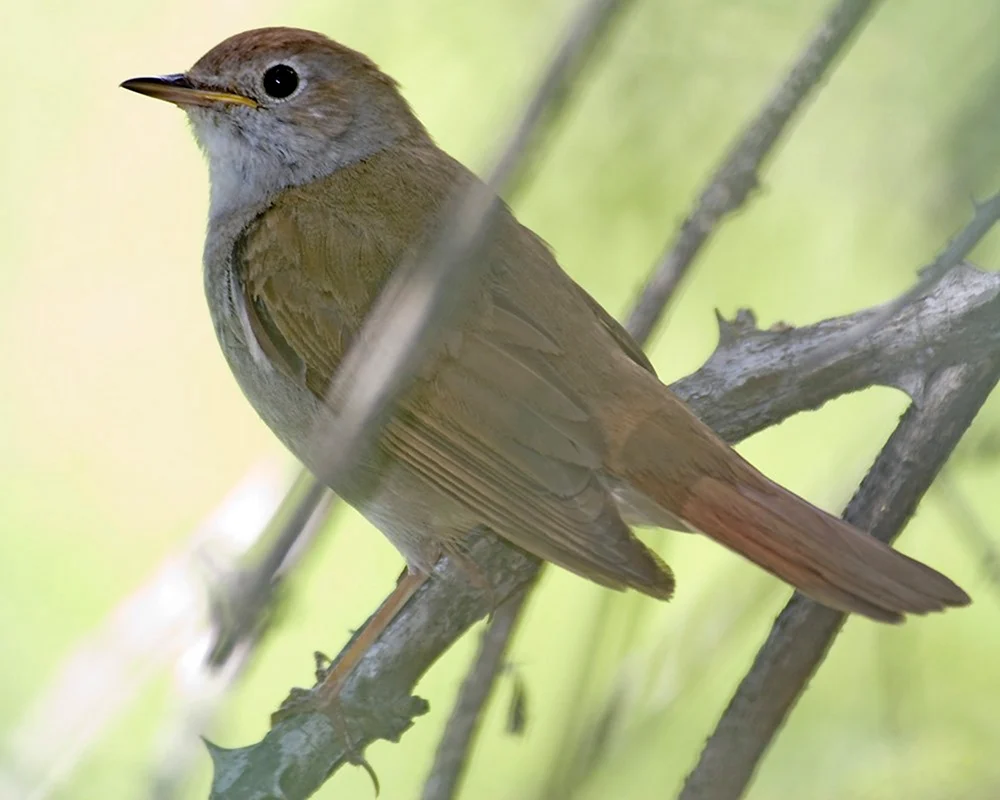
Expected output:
(539, 416)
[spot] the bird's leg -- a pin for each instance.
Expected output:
(323, 698)
(338, 673)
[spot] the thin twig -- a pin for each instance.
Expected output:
(241, 600)
(804, 630)
(165, 623)
(737, 175)
(451, 756)
(653, 293)
(687, 656)
(753, 380)
(971, 526)
(955, 252)
(243, 594)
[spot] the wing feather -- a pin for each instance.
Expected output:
(495, 425)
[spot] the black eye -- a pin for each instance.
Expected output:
(280, 81)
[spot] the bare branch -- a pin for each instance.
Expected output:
(727, 191)
(754, 379)
(804, 630)
(955, 252)
(242, 594)
(737, 176)
(451, 756)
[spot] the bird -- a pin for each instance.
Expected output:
(537, 416)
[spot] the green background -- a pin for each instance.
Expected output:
(120, 425)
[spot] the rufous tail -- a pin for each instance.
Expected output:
(821, 555)
(677, 462)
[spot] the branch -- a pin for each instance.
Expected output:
(451, 756)
(163, 626)
(726, 191)
(955, 252)
(754, 379)
(736, 176)
(804, 630)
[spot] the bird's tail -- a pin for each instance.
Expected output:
(681, 466)
(819, 554)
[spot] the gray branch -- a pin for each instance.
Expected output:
(451, 756)
(727, 190)
(804, 631)
(737, 176)
(754, 379)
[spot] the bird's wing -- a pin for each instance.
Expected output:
(493, 425)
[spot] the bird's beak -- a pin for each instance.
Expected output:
(179, 90)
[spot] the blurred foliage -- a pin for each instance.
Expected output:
(121, 425)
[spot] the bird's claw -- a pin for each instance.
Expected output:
(306, 701)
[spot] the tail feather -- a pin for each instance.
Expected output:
(673, 462)
(821, 555)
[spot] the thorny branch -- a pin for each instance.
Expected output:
(755, 378)
(804, 631)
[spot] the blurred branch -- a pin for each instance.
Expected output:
(737, 175)
(243, 594)
(165, 622)
(242, 600)
(971, 526)
(680, 663)
(754, 379)
(804, 631)
(425, 293)
(451, 756)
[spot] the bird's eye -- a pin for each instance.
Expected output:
(280, 81)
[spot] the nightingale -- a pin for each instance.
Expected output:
(539, 417)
